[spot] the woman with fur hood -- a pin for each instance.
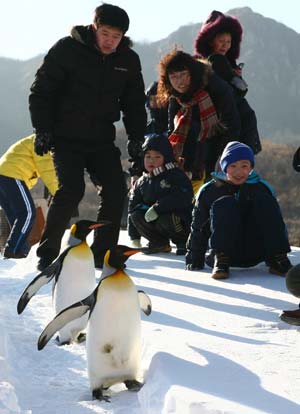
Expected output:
(219, 41)
(202, 112)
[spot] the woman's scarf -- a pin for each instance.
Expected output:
(182, 121)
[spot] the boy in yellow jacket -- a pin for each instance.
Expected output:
(20, 168)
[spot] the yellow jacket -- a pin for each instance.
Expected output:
(21, 162)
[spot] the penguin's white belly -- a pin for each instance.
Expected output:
(75, 282)
(114, 337)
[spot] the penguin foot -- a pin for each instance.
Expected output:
(98, 395)
(81, 337)
(133, 385)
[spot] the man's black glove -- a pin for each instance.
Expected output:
(135, 150)
(43, 142)
(296, 160)
(136, 168)
(194, 261)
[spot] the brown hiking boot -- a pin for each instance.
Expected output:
(158, 249)
(221, 266)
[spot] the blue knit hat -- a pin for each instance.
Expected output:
(236, 151)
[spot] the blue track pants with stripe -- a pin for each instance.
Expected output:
(19, 208)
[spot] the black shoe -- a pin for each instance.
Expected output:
(180, 249)
(221, 266)
(11, 255)
(279, 264)
(43, 263)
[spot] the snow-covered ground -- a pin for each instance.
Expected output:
(209, 347)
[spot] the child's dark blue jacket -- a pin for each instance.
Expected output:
(213, 190)
(168, 190)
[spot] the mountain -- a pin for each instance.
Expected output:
(270, 51)
(16, 77)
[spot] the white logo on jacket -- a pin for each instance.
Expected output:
(165, 184)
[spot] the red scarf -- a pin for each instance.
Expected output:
(182, 121)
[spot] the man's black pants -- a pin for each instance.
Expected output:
(104, 166)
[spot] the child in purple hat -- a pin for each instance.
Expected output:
(219, 41)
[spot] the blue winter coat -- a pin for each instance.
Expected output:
(170, 191)
(218, 187)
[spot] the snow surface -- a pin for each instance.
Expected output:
(209, 347)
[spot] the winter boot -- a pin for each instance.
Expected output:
(279, 264)
(180, 249)
(221, 266)
(157, 249)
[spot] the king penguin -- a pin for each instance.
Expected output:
(74, 277)
(113, 339)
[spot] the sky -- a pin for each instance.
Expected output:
(208, 347)
(31, 27)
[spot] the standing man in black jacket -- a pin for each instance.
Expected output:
(84, 83)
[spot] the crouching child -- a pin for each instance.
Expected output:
(238, 217)
(160, 205)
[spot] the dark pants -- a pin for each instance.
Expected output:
(133, 233)
(248, 232)
(105, 168)
(160, 231)
(249, 132)
(18, 205)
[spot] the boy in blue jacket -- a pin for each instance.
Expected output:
(160, 204)
(238, 217)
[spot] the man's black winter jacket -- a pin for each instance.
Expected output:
(78, 93)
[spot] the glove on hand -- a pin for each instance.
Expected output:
(239, 83)
(42, 142)
(194, 263)
(296, 160)
(136, 168)
(135, 151)
(151, 214)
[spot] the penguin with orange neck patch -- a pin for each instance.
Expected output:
(113, 340)
(74, 277)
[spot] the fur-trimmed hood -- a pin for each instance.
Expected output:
(218, 22)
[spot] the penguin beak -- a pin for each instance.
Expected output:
(96, 225)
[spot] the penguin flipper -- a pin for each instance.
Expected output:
(40, 280)
(62, 318)
(145, 302)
